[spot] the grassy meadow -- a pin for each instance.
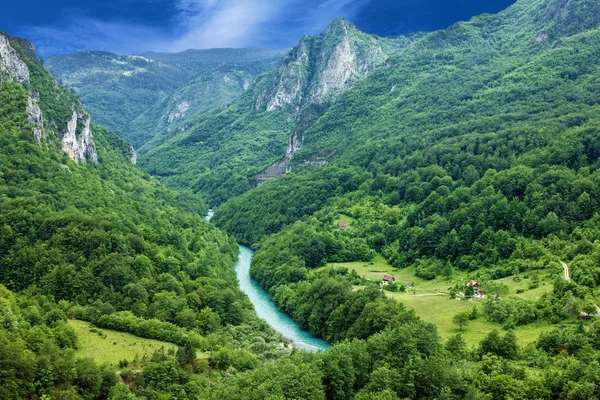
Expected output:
(431, 301)
(109, 347)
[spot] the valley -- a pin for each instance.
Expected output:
(268, 311)
(431, 298)
(358, 217)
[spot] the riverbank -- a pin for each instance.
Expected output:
(267, 309)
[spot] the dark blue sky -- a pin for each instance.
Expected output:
(131, 26)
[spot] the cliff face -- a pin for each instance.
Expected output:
(78, 144)
(11, 66)
(323, 66)
(317, 71)
(82, 148)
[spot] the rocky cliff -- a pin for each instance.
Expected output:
(11, 65)
(82, 148)
(317, 71)
(321, 67)
(75, 134)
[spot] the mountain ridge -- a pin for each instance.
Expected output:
(130, 93)
(263, 126)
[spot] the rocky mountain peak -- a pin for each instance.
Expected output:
(340, 26)
(323, 66)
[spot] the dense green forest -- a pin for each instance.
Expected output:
(106, 243)
(488, 166)
(152, 96)
(470, 151)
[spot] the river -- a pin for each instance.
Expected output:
(267, 309)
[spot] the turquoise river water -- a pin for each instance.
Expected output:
(267, 310)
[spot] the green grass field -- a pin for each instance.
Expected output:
(113, 346)
(431, 301)
(440, 309)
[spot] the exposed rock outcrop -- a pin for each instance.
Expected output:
(322, 67)
(15, 69)
(83, 148)
(281, 168)
(179, 111)
(133, 155)
(35, 118)
(288, 83)
(316, 72)
(79, 148)
(11, 64)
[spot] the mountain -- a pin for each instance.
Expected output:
(226, 152)
(84, 233)
(153, 95)
(466, 154)
(492, 94)
(473, 151)
(472, 154)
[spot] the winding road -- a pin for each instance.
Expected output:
(568, 279)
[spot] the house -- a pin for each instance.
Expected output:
(387, 279)
(476, 288)
(342, 225)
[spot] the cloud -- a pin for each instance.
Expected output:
(227, 23)
(193, 24)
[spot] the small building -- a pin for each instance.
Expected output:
(387, 279)
(476, 288)
(342, 225)
(410, 285)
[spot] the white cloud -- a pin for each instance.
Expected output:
(225, 23)
(196, 24)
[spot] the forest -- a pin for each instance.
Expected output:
(472, 152)
(103, 242)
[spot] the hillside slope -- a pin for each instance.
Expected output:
(501, 92)
(146, 96)
(226, 153)
(81, 226)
